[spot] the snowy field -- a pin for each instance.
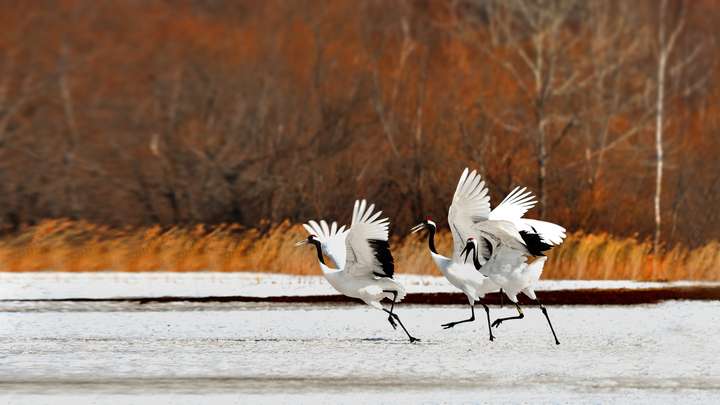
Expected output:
(57, 285)
(182, 353)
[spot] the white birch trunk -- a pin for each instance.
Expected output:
(659, 150)
(665, 46)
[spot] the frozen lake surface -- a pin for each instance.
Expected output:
(58, 285)
(124, 353)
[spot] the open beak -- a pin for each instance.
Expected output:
(417, 228)
(302, 242)
(466, 251)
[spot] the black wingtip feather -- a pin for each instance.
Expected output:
(488, 249)
(381, 248)
(534, 243)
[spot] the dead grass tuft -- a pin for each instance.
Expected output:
(63, 245)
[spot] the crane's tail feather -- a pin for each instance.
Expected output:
(401, 293)
(535, 269)
(379, 292)
(534, 243)
(550, 233)
(530, 292)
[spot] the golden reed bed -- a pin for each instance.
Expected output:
(62, 245)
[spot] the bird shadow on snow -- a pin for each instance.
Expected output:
(372, 339)
(392, 341)
(376, 340)
(382, 340)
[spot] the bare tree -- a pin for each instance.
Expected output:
(255, 114)
(543, 64)
(665, 46)
(399, 101)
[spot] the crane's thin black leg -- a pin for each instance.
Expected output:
(487, 313)
(498, 321)
(392, 307)
(451, 324)
(392, 317)
(501, 298)
(544, 311)
(397, 318)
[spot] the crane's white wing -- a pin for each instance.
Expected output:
(470, 205)
(368, 251)
(492, 234)
(550, 233)
(332, 240)
(515, 205)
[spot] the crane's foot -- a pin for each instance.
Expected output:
(449, 325)
(496, 323)
(392, 322)
(414, 339)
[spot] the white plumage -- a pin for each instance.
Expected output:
(513, 208)
(502, 237)
(365, 266)
(332, 239)
(462, 275)
(471, 204)
(470, 215)
(364, 243)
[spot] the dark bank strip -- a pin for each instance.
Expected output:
(590, 296)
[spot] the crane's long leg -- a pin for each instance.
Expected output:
(392, 306)
(472, 318)
(498, 321)
(397, 318)
(392, 317)
(487, 314)
(544, 311)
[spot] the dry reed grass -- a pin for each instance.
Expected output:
(62, 245)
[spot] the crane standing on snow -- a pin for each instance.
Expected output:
(503, 238)
(462, 275)
(362, 255)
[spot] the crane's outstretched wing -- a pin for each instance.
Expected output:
(515, 205)
(550, 233)
(332, 240)
(470, 205)
(492, 234)
(368, 250)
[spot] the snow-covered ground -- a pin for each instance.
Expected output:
(181, 353)
(122, 285)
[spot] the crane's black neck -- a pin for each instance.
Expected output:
(319, 251)
(431, 239)
(476, 261)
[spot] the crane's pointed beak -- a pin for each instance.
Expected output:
(466, 251)
(417, 228)
(302, 242)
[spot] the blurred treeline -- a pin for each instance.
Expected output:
(180, 112)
